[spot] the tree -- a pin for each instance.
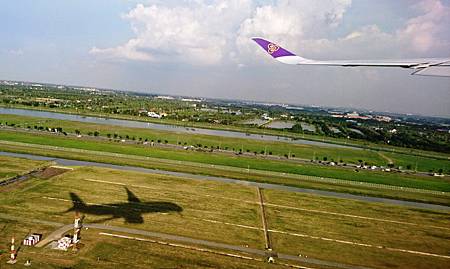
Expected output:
(77, 132)
(325, 158)
(108, 135)
(96, 133)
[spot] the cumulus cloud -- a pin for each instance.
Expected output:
(210, 32)
(197, 32)
(425, 34)
(429, 30)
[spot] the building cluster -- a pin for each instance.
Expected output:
(356, 115)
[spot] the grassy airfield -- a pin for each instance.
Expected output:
(339, 230)
(244, 174)
(347, 155)
(282, 166)
(11, 167)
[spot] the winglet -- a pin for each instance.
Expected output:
(281, 54)
(273, 49)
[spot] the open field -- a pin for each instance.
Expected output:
(191, 168)
(294, 180)
(318, 227)
(11, 167)
(99, 251)
(413, 181)
(246, 145)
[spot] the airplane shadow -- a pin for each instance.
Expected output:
(130, 211)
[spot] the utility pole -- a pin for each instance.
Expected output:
(12, 259)
(77, 225)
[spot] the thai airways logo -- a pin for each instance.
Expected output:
(271, 48)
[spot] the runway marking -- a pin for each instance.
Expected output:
(181, 246)
(355, 216)
(198, 249)
(363, 245)
(117, 183)
(331, 239)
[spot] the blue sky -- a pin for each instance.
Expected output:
(203, 48)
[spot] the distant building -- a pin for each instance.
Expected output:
(191, 100)
(152, 114)
(383, 118)
(164, 97)
(266, 117)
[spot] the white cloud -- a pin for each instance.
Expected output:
(196, 32)
(201, 32)
(430, 30)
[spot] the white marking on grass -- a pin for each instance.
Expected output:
(331, 239)
(362, 244)
(182, 246)
(355, 216)
(61, 167)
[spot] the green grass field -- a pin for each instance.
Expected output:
(405, 180)
(276, 148)
(224, 171)
(225, 213)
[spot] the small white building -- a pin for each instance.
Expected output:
(64, 243)
(32, 240)
(152, 114)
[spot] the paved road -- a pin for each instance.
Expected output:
(67, 162)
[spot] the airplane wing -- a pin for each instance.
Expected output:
(424, 67)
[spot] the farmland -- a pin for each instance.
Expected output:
(309, 225)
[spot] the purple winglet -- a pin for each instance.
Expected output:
(272, 48)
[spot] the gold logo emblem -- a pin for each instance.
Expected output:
(271, 48)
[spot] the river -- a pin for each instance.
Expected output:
(164, 127)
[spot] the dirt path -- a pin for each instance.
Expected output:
(389, 160)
